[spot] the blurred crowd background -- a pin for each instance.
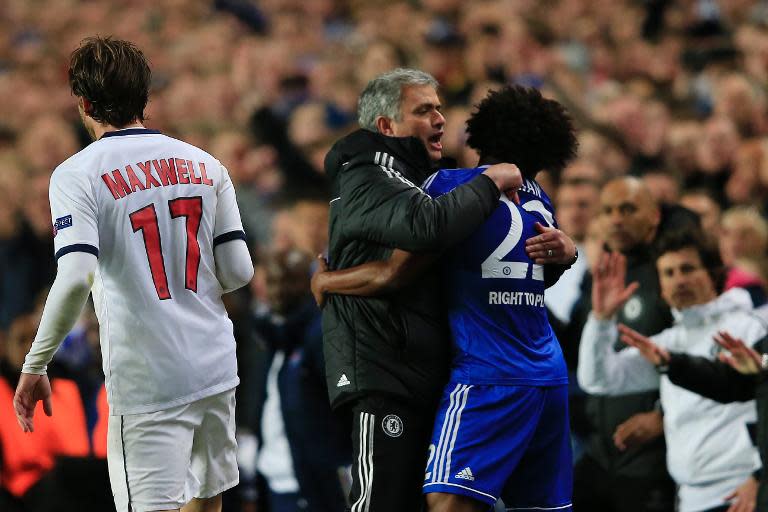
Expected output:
(673, 92)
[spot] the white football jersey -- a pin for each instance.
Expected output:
(152, 208)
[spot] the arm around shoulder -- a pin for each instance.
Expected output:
(388, 209)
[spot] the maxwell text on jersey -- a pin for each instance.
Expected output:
(167, 171)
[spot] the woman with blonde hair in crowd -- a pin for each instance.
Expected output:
(743, 241)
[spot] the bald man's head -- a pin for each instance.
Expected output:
(629, 215)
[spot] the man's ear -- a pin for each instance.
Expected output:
(86, 105)
(385, 126)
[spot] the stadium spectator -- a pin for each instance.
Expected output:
(304, 450)
(664, 186)
(745, 185)
(624, 447)
(743, 242)
(28, 463)
(710, 453)
(576, 203)
(704, 204)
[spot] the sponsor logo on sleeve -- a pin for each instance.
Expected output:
(61, 223)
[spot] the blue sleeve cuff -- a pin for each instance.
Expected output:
(77, 248)
(228, 237)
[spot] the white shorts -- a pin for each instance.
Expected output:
(161, 460)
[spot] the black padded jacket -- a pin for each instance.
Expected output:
(398, 343)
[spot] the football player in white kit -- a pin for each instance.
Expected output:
(150, 224)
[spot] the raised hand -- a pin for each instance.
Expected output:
(648, 349)
(550, 246)
(318, 291)
(741, 358)
(609, 292)
(30, 390)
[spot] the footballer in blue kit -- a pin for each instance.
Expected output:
(501, 429)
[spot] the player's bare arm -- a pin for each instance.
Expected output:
(374, 278)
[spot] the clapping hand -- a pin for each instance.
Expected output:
(656, 355)
(741, 358)
(609, 292)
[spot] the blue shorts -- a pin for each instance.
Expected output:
(511, 442)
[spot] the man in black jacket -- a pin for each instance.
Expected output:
(545, 142)
(623, 469)
(387, 357)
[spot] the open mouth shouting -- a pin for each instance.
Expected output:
(434, 142)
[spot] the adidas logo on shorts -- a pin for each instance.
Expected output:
(343, 381)
(465, 474)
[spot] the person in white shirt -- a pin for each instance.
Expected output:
(709, 451)
(150, 225)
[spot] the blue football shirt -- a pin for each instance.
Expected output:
(499, 325)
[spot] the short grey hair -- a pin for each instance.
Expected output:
(383, 95)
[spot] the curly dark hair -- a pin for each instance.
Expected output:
(677, 239)
(114, 76)
(517, 125)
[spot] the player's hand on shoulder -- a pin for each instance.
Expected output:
(31, 389)
(318, 280)
(550, 246)
(507, 178)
